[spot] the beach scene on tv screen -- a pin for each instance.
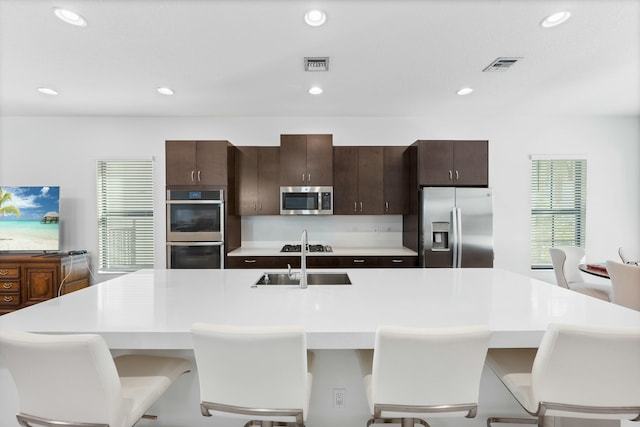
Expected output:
(29, 218)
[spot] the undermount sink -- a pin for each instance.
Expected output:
(270, 279)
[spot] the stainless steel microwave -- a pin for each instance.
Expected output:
(306, 200)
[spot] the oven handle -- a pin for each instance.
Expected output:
(195, 243)
(194, 202)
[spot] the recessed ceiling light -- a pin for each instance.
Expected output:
(315, 18)
(47, 91)
(464, 91)
(165, 91)
(315, 90)
(555, 19)
(70, 17)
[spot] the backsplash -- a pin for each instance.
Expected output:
(335, 230)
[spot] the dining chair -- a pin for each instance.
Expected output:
(72, 380)
(625, 279)
(577, 372)
(565, 261)
(629, 254)
(257, 373)
(414, 373)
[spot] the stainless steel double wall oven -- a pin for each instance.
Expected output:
(195, 229)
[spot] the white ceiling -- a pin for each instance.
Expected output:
(388, 58)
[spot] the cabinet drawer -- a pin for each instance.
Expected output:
(10, 299)
(9, 272)
(249, 262)
(7, 286)
(284, 261)
(398, 261)
(359, 262)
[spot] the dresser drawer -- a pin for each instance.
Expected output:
(9, 272)
(9, 286)
(10, 299)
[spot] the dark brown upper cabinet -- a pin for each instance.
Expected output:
(306, 160)
(258, 180)
(453, 163)
(396, 171)
(200, 163)
(358, 174)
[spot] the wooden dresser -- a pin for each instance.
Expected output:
(28, 279)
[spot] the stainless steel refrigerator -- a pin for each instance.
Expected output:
(456, 227)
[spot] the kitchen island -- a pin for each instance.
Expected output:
(152, 310)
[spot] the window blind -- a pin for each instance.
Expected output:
(125, 215)
(558, 206)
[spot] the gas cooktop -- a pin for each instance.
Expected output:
(310, 248)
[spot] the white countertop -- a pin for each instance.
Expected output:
(337, 251)
(154, 309)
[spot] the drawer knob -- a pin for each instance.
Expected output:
(7, 285)
(8, 298)
(4, 272)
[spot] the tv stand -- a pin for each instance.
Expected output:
(27, 279)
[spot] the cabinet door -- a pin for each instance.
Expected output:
(395, 181)
(319, 160)
(247, 180)
(293, 160)
(268, 183)
(40, 284)
(345, 192)
(435, 163)
(211, 162)
(471, 163)
(180, 162)
(370, 181)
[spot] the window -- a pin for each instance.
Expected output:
(558, 206)
(125, 215)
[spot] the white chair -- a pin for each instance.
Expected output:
(629, 255)
(565, 260)
(259, 374)
(414, 373)
(72, 380)
(625, 279)
(577, 372)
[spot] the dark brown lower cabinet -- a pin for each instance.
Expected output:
(281, 262)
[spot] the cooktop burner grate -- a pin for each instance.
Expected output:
(310, 248)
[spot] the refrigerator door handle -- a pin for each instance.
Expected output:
(459, 236)
(454, 232)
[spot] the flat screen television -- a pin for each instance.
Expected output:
(29, 219)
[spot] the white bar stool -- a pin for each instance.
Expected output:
(576, 372)
(72, 380)
(413, 373)
(259, 374)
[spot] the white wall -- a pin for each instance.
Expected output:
(63, 150)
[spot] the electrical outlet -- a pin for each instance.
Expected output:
(339, 397)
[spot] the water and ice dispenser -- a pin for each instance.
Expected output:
(440, 236)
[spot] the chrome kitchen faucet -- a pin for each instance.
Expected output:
(302, 276)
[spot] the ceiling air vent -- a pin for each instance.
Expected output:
(501, 64)
(316, 63)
